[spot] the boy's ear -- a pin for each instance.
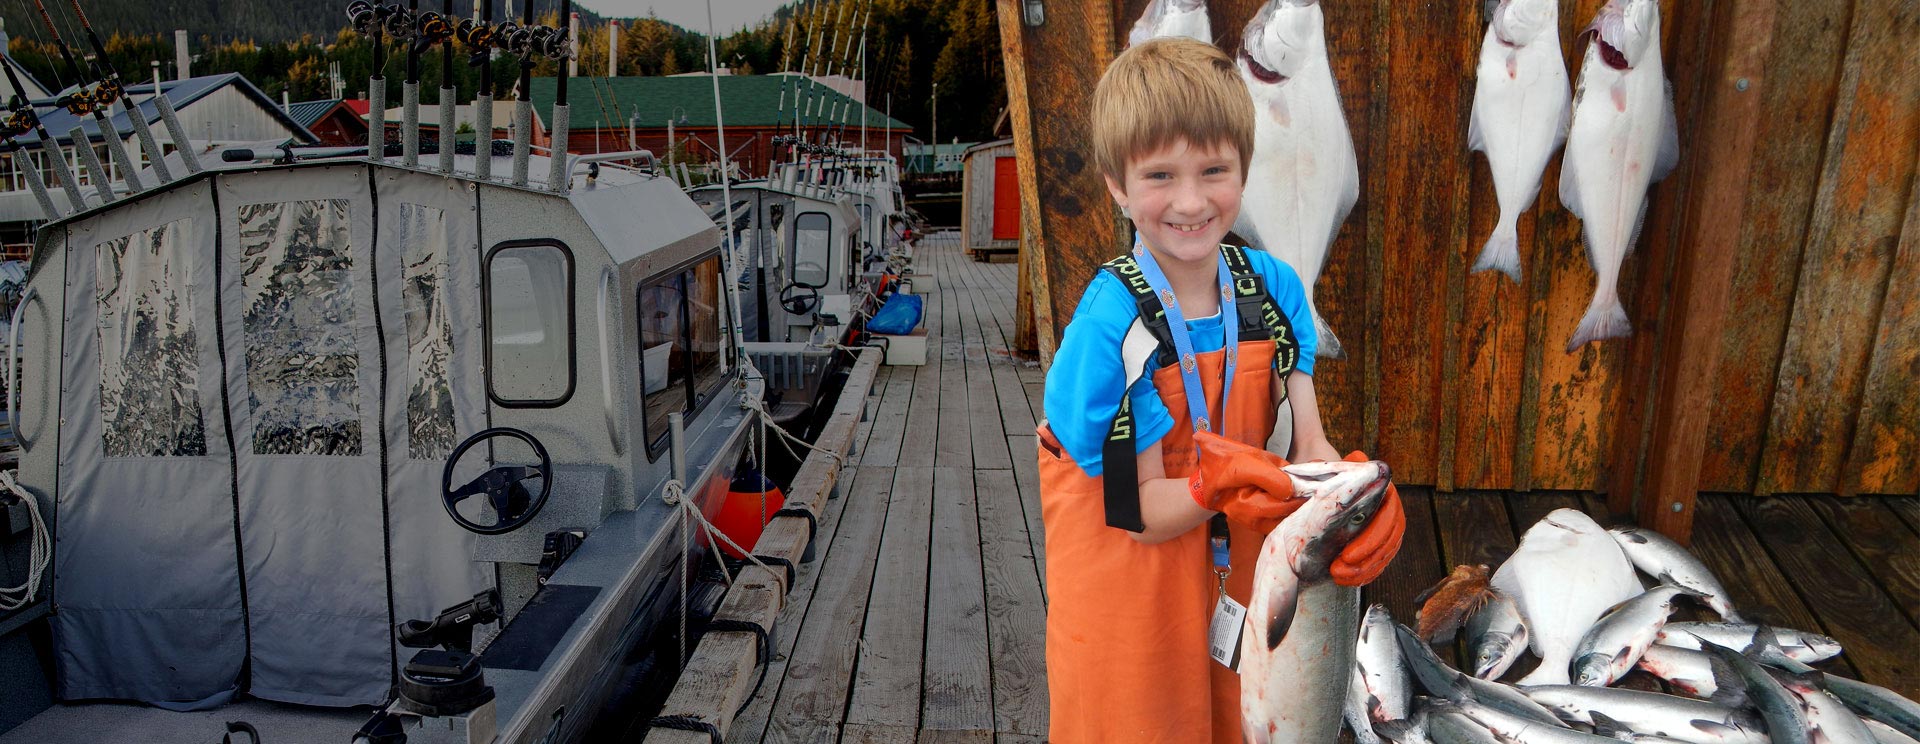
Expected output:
(1116, 190)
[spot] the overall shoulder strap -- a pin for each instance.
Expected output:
(1260, 316)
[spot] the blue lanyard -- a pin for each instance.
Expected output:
(1183, 344)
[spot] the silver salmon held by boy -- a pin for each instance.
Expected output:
(1623, 138)
(1164, 18)
(1521, 102)
(1304, 177)
(1301, 627)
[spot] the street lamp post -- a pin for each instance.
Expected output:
(936, 129)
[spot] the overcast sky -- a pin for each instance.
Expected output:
(728, 15)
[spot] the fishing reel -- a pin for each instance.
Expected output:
(434, 29)
(549, 42)
(106, 92)
(478, 37)
(78, 103)
(401, 25)
(363, 16)
(517, 40)
(20, 118)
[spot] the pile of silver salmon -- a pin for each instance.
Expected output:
(1570, 594)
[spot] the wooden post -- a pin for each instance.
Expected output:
(1068, 223)
(1703, 272)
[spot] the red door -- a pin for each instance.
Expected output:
(1006, 200)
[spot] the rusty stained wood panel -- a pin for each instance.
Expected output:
(1668, 394)
(1864, 187)
(1802, 77)
(1426, 89)
(1886, 444)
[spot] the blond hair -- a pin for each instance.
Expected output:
(1166, 90)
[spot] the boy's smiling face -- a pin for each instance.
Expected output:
(1182, 198)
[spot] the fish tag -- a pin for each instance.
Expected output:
(1223, 635)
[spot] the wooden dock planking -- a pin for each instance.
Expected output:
(1881, 643)
(1026, 478)
(886, 682)
(890, 418)
(989, 436)
(751, 724)
(1016, 615)
(953, 443)
(820, 666)
(1418, 564)
(958, 683)
(1882, 542)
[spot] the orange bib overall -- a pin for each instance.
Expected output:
(1127, 622)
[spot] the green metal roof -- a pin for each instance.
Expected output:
(308, 113)
(750, 100)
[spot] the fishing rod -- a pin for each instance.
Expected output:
(84, 100)
(806, 69)
(438, 29)
(138, 118)
(21, 118)
(780, 118)
(816, 107)
(482, 38)
(408, 33)
(371, 19)
(846, 106)
(559, 48)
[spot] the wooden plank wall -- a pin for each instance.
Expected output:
(1460, 379)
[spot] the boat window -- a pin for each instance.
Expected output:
(530, 325)
(680, 349)
(149, 348)
(811, 242)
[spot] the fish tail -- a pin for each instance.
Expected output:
(1329, 344)
(1503, 251)
(1605, 319)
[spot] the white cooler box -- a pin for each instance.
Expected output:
(908, 350)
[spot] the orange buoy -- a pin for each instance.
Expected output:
(751, 501)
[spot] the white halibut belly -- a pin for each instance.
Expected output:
(1304, 175)
(1613, 153)
(1521, 119)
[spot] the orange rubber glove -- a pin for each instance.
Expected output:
(1242, 482)
(1367, 556)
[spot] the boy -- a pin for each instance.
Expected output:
(1135, 473)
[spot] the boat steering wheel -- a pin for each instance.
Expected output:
(504, 485)
(799, 299)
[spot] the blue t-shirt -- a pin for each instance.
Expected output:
(1084, 383)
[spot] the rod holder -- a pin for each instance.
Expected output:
(68, 182)
(117, 150)
(155, 156)
(448, 138)
(95, 171)
(179, 133)
(483, 137)
(377, 117)
(410, 124)
(522, 139)
(38, 186)
(557, 153)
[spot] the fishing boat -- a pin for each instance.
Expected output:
(431, 430)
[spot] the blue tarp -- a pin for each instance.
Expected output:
(899, 316)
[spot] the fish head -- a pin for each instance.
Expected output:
(1821, 646)
(1520, 22)
(1172, 18)
(1593, 670)
(1278, 42)
(1626, 31)
(1490, 654)
(1341, 498)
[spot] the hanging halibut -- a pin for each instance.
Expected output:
(1520, 110)
(1304, 177)
(1164, 18)
(1623, 139)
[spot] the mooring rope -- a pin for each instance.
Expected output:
(39, 554)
